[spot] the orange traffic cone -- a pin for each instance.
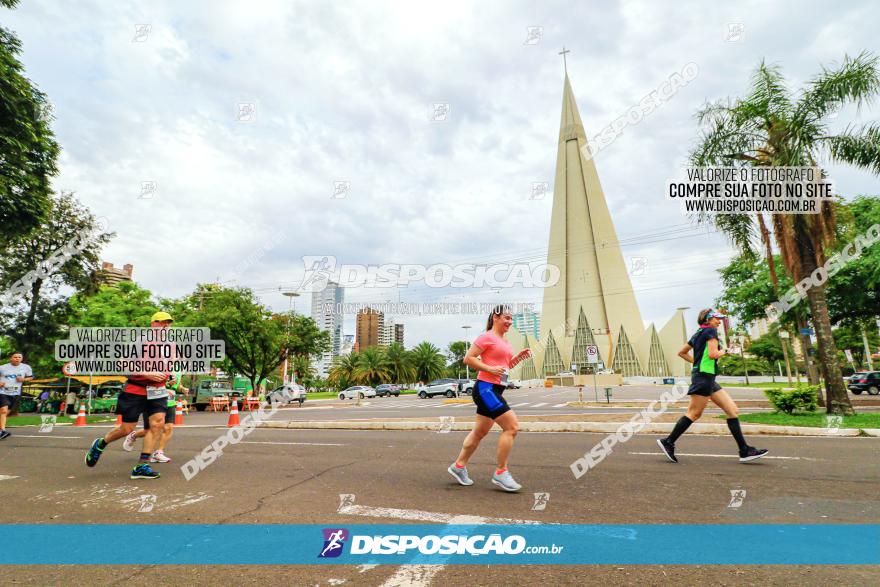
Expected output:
(178, 413)
(81, 417)
(233, 414)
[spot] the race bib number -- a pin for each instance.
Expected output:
(156, 392)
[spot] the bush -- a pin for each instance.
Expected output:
(804, 398)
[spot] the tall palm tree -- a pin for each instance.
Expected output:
(372, 367)
(399, 363)
(342, 370)
(428, 362)
(770, 127)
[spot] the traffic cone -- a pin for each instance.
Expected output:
(81, 417)
(233, 414)
(178, 414)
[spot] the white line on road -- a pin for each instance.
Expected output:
(42, 436)
(421, 575)
(297, 443)
(684, 454)
(539, 405)
(520, 405)
(8, 477)
(560, 405)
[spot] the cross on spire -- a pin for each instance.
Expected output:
(564, 63)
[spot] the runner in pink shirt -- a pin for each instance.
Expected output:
(492, 356)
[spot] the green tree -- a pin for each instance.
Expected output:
(342, 370)
(399, 363)
(854, 292)
(372, 367)
(125, 304)
(28, 151)
(771, 128)
(455, 353)
(428, 362)
(767, 347)
(64, 251)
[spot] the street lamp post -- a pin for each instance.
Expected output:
(290, 295)
(468, 340)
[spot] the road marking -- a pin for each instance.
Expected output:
(520, 405)
(421, 575)
(539, 405)
(684, 454)
(560, 405)
(423, 516)
(8, 477)
(297, 443)
(43, 436)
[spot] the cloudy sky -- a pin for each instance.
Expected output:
(212, 135)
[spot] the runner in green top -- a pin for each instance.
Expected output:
(707, 350)
(174, 386)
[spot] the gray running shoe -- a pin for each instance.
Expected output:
(506, 482)
(460, 474)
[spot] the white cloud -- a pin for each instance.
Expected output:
(342, 93)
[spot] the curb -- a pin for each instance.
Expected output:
(600, 427)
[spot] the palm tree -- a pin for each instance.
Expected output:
(342, 370)
(399, 363)
(302, 367)
(770, 127)
(428, 362)
(372, 367)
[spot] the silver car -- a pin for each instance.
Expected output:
(360, 391)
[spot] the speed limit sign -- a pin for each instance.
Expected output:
(592, 354)
(69, 368)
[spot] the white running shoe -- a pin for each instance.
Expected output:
(506, 482)
(160, 457)
(128, 443)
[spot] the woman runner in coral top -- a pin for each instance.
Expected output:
(492, 356)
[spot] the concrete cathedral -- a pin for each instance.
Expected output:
(593, 302)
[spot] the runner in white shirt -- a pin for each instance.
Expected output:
(12, 375)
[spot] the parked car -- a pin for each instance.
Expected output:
(386, 389)
(466, 386)
(360, 391)
(447, 387)
(869, 381)
(287, 394)
(513, 384)
(854, 376)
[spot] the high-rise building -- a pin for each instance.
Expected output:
(327, 314)
(392, 331)
(528, 322)
(592, 303)
(370, 329)
(110, 275)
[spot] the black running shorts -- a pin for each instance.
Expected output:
(703, 384)
(170, 413)
(131, 406)
(490, 402)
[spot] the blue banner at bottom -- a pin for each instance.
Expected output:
(564, 544)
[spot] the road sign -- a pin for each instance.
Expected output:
(69, 368)
(592, 354)
(807, 331)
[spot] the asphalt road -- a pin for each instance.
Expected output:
(298, 476)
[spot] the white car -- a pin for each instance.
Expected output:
(447, 387)
(287, 394)
(360, 391)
